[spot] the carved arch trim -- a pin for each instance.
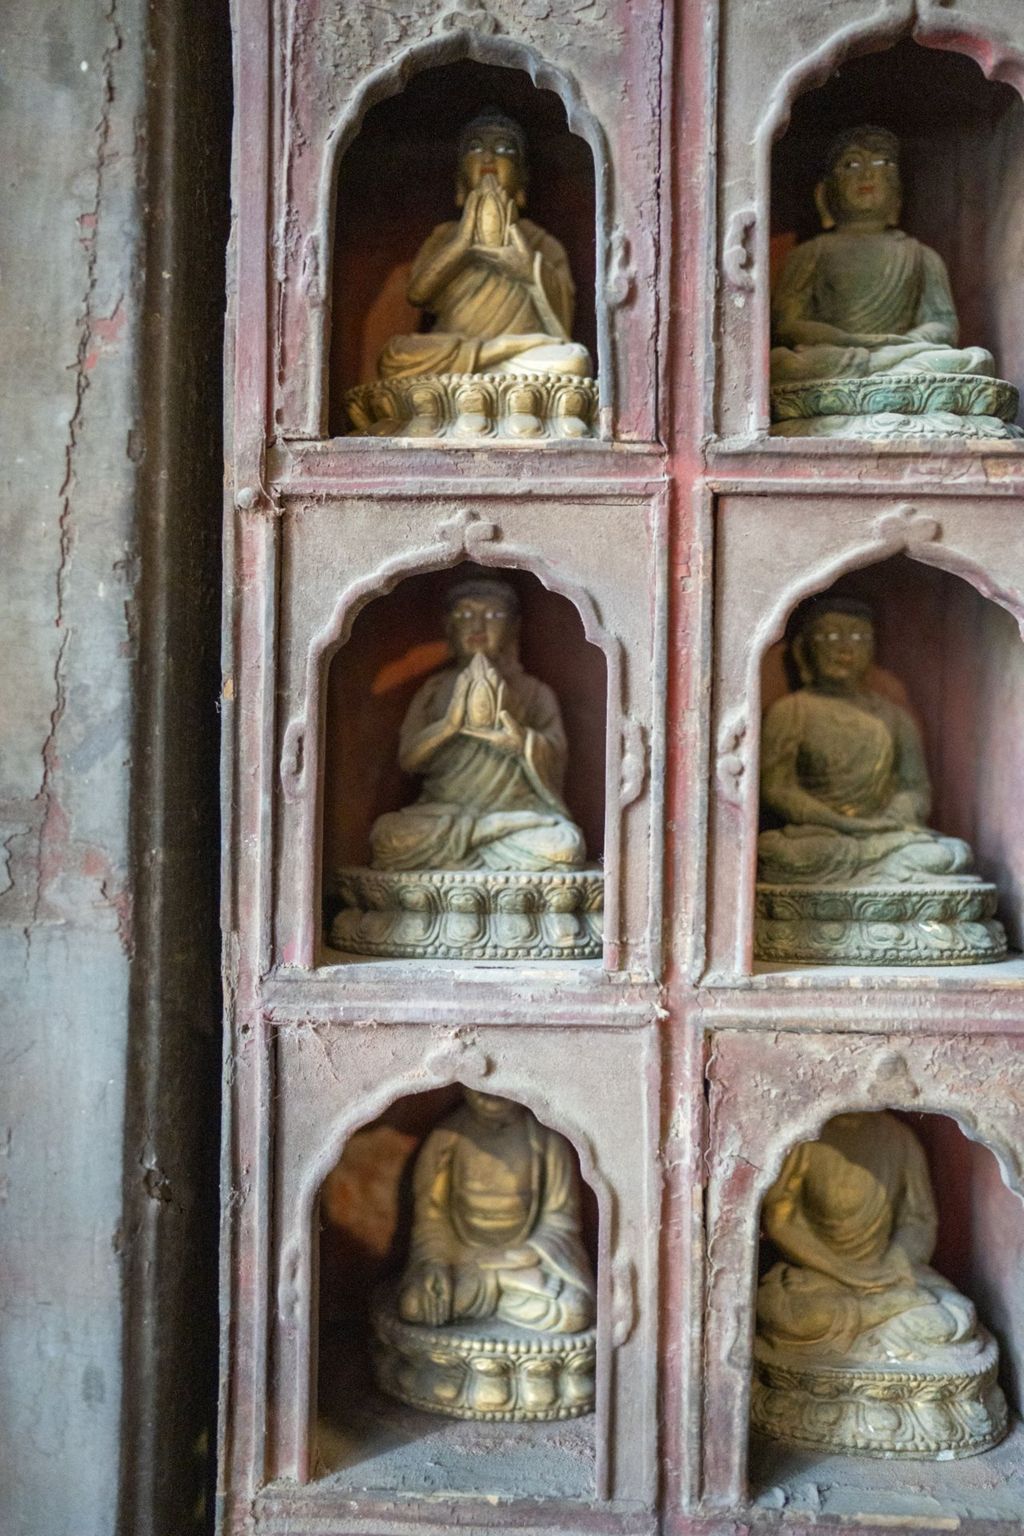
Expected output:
(296, 1279)
(460, 538)
(449, 47)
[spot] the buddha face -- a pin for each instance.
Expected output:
(480, 625)
(492, 150)
(863, 186)
(836, 650)
(492, 1110)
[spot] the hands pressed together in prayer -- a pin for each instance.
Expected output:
(504, 732)
(512, 255)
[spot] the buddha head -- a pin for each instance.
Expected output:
(492, 1110)
(834, 644)
(482, 619)
(492, 144)
(861, 185)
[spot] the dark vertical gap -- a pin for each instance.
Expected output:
(170, 1222)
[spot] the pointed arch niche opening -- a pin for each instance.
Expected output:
(396, 183)
(962, 138)
(364, 1439)
(953, 657)
(396, 642)
(980, 1250)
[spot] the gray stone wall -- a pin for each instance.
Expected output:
(81, 447)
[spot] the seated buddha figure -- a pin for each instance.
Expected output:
(489, 743)
(496, 1225)
(853, 1219)
(867, 301)
(843, 770)
(498, 286)
(499, 297)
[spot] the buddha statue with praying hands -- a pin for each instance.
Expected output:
(493, 1315)
(864, 330)
(852, 873)
(498, 358)
(486, 862)
(861, 1346)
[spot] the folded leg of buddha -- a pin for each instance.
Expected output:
(860, 1344)
(486, 321)
(886, 286)
(803, 1310)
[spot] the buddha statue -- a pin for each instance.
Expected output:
(853, 873)
(861, 1346)
(496, 1263)
(864, 328)
(489, 743)
(498, 355)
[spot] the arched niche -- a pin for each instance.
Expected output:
(953, 656)
(962, 137)
(979, 1248)
(396, 182)
(396, 641)
(365, 1439)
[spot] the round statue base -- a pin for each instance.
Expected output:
(475, 407)
(482, 1370)
(923, 1410)
(470, 914)
(908, 405)
(934, 924)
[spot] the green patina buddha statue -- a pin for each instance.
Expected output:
(868, 304)
(851, 870)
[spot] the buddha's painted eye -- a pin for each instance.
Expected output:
(496, 613)
(474, 147)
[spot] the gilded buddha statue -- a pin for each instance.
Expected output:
(861, 1346)
(852, 873)
(499, 356)
(864, 328)
(494, 1312)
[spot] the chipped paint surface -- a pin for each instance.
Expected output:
(69, 254)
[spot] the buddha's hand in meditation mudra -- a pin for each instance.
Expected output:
(496, 1227)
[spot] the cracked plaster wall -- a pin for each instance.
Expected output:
(70, 120)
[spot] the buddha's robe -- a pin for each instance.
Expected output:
(480, 303)
(498, 1205)
(857, 1198)
(481, 808)
(884, 284)
(853, 757)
